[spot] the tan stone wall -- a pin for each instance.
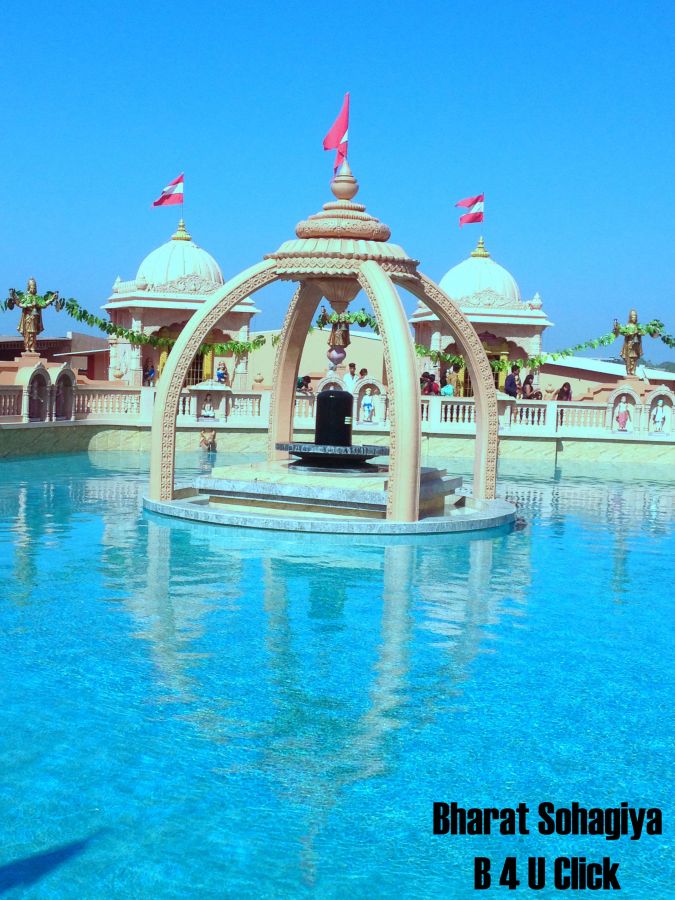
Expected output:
(624, 452)
(366, 352)
(33, 440)
(29, 440)
(582, 382)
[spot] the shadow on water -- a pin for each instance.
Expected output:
(26, 872)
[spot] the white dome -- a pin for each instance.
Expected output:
(178, 259)
(480, 281)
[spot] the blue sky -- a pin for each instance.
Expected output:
(561, 112)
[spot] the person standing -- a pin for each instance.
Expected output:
(350, 379)
(511, 384)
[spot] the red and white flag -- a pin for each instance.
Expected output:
(475, 205)
(337, 138)
(172, 193)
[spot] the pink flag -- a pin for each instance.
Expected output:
(475, 205)
(338, 136)
(172, 193)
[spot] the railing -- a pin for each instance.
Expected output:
(106, 403)
(441, 415)
(582, 415)
(529, 414)
(187, 404)
(304, 406)
(245, 406)
(457, 412)
(10, 401)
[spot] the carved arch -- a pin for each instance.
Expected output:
(480, 372)
(403, 386)
(650, 401)
(163, 439)
(330, 381)
(292, 338)
(619, 392)
(63, 399)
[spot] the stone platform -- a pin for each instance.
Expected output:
(277, 496)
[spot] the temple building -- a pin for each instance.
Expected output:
(171, 283)
(489, 296)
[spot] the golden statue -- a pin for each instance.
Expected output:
(31, 305)
(339, 333)
(632, 341)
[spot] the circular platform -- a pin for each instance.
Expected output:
(493, 514)
(277, 496)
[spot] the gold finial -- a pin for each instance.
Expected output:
(344, 185)
(181, 234)
(480, 250)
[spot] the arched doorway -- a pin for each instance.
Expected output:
(38, 398)
(63, 397)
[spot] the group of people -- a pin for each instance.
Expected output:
(448, 386)
(304, 384)
(349, 380)
(526, 390)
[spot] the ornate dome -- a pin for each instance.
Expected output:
(179, 265)
(480, 281)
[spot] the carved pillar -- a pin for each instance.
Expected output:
(25, 404)
(478, 366)
(287, 364)
(403, 390)
(240, 374)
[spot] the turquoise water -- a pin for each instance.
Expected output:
(197, 711)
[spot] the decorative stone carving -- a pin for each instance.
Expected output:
(186, 284)
(488, 298)
(399, 468)
(335, 241)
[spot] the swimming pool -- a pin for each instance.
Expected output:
(192, 710)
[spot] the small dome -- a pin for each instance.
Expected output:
(480, 281)
(177, 259)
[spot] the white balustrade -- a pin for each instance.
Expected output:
(441, 415)
(245, 405)
(457, 411)
(304, 406)
(187, 404)
(529, 414)
(106, 403)
(10, 401)
(581, 416)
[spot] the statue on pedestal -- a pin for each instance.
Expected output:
(623, 415)
(31, 305)
(632, 341)
(338, 340)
